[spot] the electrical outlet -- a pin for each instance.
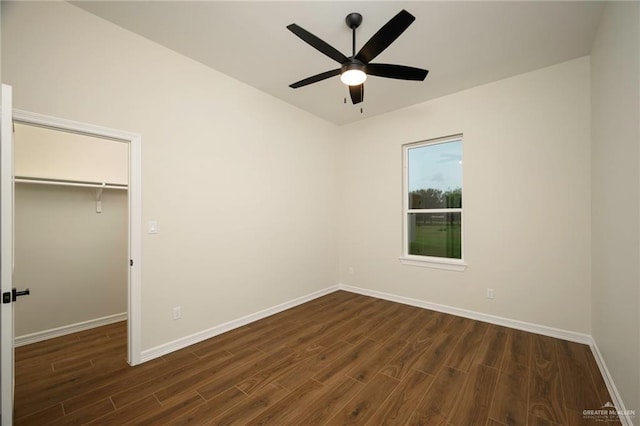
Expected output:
(490, 293)
(177, 314)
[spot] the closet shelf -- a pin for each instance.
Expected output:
(62, 182)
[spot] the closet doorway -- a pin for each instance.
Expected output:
(77, 233)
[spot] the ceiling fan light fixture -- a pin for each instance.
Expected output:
(353, 73)
(353, 77)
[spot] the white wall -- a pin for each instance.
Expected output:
(243, 186)
(616, 196)
(526, 198)
(74, 260)
(46, 153)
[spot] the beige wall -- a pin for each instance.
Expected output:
(526, 198)
(243, 186)
(616, 196)
(45, 153)
(73, 259)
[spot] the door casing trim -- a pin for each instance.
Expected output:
(134, 346)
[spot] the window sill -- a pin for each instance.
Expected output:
(449, 265)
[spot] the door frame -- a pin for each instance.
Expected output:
(134, 314)
(6, 255)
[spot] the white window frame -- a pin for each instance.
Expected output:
(427, 261)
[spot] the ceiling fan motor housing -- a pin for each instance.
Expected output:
(353, 64)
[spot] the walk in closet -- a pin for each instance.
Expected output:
(71, 231)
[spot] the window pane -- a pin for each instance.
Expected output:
(435, 234)
(435, 176)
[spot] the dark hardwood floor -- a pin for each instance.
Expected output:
(340, 359)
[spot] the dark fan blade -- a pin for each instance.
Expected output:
(400, 72)
(357, 93)
(315, 78)
(318, 44)
(385, 36)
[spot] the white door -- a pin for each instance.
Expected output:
(6, 254)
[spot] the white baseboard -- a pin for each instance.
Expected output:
(626, 416)
(493, 319)
(68, 329)
(183, 342)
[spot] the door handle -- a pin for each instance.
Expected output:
(15, 293)
(11, 297)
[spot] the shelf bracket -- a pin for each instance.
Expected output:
(99, 198)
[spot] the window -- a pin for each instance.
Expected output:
(433, 203)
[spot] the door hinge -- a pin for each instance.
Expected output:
(130, 262)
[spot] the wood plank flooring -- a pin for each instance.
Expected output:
(337, 360)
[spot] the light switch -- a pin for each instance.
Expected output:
(153, 227)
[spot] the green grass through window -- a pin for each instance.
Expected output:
(437, 240)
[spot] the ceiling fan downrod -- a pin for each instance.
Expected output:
(353, 21)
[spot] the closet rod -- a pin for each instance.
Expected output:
(61, 182)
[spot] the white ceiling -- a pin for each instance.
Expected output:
(462, 44)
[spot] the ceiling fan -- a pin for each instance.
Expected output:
(354, 69)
